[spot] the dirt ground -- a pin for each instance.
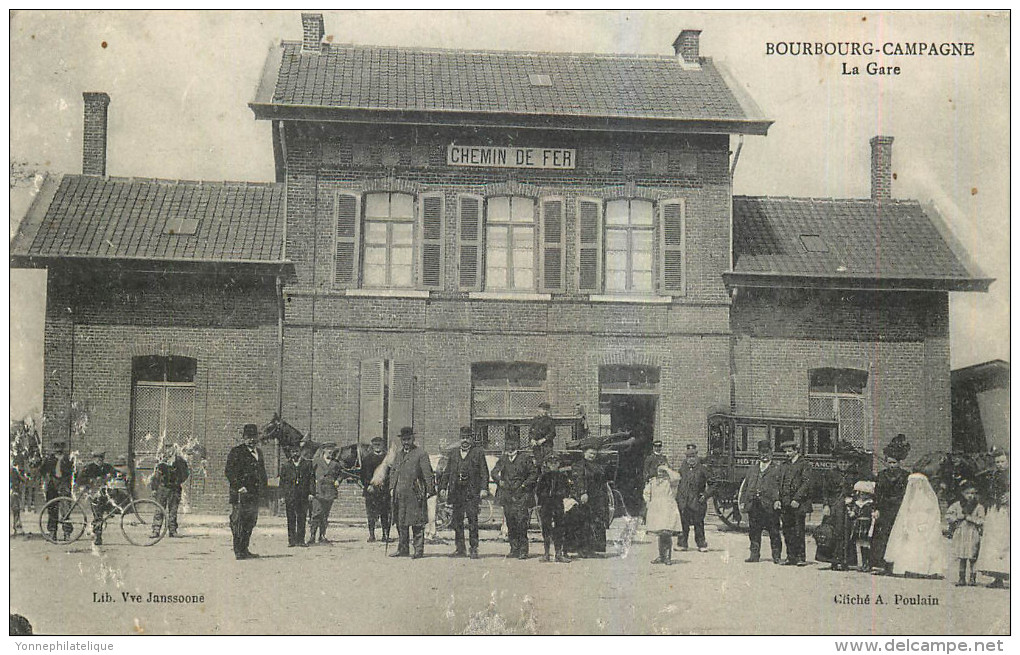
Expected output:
(351, 587)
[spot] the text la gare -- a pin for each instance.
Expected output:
(872, 68)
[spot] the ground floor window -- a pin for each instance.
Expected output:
(162, 408)
(504, 398)
(839, 394)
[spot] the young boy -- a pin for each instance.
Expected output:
(551, 489)
(861, 515)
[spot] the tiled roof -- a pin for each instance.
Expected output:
(426, 80)
(825, 238)
(85, 216)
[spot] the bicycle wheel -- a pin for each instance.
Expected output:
(487, 512)
(69, 520)
(143, 522)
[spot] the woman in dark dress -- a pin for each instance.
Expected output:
(890, 487)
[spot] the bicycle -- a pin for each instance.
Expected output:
(143, 521)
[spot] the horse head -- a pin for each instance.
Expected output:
(282, 432)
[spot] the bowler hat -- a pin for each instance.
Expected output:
(406, 432)
(764, 447)
(467, 433)
(898, 448)
(250, 430)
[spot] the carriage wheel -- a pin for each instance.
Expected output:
(728, 511)
(487, 512)
(70, 520)
(444, 516)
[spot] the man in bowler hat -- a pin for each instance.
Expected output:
(412, 483)
(246, 476)
(759, 499)
(691, 499)
(462, 485)
(516, 475)
(297, 484)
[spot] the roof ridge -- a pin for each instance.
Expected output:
(870, 201)
(176, 181)
(525, 53)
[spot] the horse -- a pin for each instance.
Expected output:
(289, 437)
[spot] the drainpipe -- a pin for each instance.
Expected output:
(733, 337)
(279, 364)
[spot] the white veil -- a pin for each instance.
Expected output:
(915, 543)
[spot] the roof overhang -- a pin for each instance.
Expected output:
(856, 283)
(155, 265)
(586, 123)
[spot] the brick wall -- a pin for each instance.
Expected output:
(900, 339)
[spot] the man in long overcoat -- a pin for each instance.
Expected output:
(412, 483)
(246, 475)
(795, 497)
(589, 488)
(462, 485)
(377, 499)
(890, 486)
(516, 474)
(297, 484)
(691, 499)
(759, 499)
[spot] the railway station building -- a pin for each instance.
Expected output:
(454, 237)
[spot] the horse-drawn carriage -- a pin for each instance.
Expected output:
(733, 447)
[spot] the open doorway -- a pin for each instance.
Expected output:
(627, 402)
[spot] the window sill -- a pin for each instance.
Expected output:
(644, 300)
(388, 293)
(508, 295)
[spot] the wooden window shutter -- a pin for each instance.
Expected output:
(589, 245)
(401, 398)
(432, 219)
(469, 235)
(673, 241)
(348, 232)
(370, 422)
(553, 232)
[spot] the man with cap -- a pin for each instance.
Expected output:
(167, 485)
(297, 485)
(412, 483)
(654, 461)
(542, 432)
(246, 476)
(890, 487)
(462, 485)
(326, 488)
(588, 483)
(377, 499)
(94, 477)
(795, 497)
(57, 472)
(552, 488)
(515, 473)
(692, 499)
(759, 499)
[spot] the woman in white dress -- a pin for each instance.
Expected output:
(916, 545)
(993, 558)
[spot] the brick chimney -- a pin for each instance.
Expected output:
(686, 47)
(93, 150)
(881, 167)
(314, 31)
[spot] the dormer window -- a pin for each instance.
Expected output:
(813, 243)
(181, 226)
(539, 79)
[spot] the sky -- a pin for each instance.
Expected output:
(180, 84)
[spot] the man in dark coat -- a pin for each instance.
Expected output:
(589, 488)
(837, 494)
(653, 462)
(542, 432)
(462, 485)
(692, 499)
(412, 483)
(57, 471)
(795, 496)
(515, 473)
(552, 488)
(890, 486)
(246, 475)
(759, 499)
(377, 499)
(297, 484)
(167, 485)
(94, 477)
